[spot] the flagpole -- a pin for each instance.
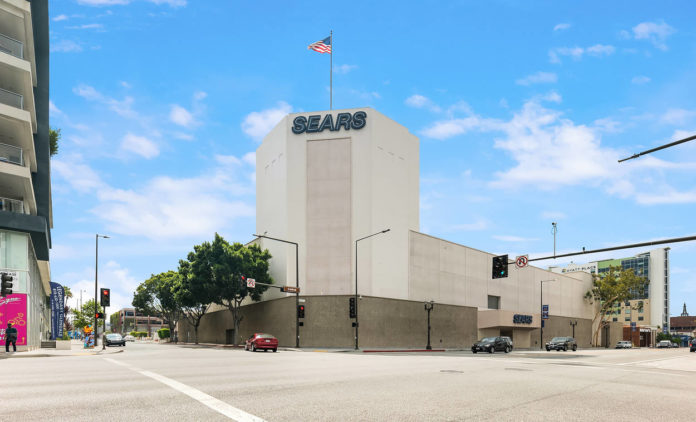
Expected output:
(331, 72)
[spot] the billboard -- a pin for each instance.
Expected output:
(57, 310)
(13, 310)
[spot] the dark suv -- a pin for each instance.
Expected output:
(562, 343)
(693, 346)
(492, 345)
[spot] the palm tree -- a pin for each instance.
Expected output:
(67, 294)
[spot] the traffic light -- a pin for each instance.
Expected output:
(105, 297)
(300, 311)
(5, 284)
(99, 315)
(351, 307)
(500, 266)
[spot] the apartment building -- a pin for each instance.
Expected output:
(25, 173)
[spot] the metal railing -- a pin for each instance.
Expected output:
(11, 154)
(12, 205)
(11, 98)
(11, 46)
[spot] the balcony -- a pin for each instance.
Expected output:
(11, 154)
(11, 46)
(11, 98)
(12, 205)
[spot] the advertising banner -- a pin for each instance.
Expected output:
(13, 310)
(57, 310)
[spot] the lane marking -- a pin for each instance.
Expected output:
(649, 360)
(203, 398)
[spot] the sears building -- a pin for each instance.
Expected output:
(328, 181)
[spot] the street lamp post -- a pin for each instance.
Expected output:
(356, 282)
(297, 284)
(541, 324)
(573, 324)
(429, 307)
(96, 282)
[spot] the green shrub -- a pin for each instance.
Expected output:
(163, 333)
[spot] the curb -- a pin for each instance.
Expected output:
(55, 355)
(404, 351)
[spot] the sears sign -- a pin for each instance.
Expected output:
(315, 124)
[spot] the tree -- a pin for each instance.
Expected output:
(612, 288)
(155, 296)
(54, 137)
(113, 319)
(227, 264)
(192, 289)
(85, 317)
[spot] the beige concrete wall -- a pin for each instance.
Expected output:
(383, 192)
(383, 323)
(455, 274)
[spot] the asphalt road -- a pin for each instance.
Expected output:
(154, 382)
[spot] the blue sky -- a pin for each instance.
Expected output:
(522, 108)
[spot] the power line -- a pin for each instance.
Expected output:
(681, 141)
(615, 248)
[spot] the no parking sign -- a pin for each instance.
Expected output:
(522, 261)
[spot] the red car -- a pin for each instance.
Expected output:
(261, 341)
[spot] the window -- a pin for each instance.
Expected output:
(614, 319)
(640, 318)
(493, 302)
(627, 319)
(628, 310)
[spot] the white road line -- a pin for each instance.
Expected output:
(649, 360)
(210, 401)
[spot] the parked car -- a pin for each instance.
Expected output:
(114, 340)
(693, 345)
(129, 338)
(562, 343)
(493, 344)
(624, 345)
(261, 341)
(675, 344)
(664, 344)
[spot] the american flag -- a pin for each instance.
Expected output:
(323, 46)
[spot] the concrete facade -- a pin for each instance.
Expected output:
(384, 323)
(326, 187)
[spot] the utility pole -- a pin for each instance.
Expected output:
(554, 230)
(428, 308)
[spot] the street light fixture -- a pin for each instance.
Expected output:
(96, 282)
(429, 307)
(297, 283)
(541, 324)
(356, 282)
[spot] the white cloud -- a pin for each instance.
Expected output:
(344, 68)
(180, 116)
(60, 18)
(600, 50)
(66, 46)
(87, 26)
(257, 124)
(677, 116)
(53, 109)
(608, 125)
(538, 78)
(553, 215)
(561, 26)
(654, 32)
(576, 53)
(139, 145)
(419, 101)
(669, 197)
(162, 207)
(640, 80)
(121, 107)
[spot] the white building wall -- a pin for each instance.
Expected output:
(659, 290)
(453, 274)
(384, 193)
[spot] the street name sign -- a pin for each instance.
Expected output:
(290, 289)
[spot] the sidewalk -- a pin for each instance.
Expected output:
(76, 350)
